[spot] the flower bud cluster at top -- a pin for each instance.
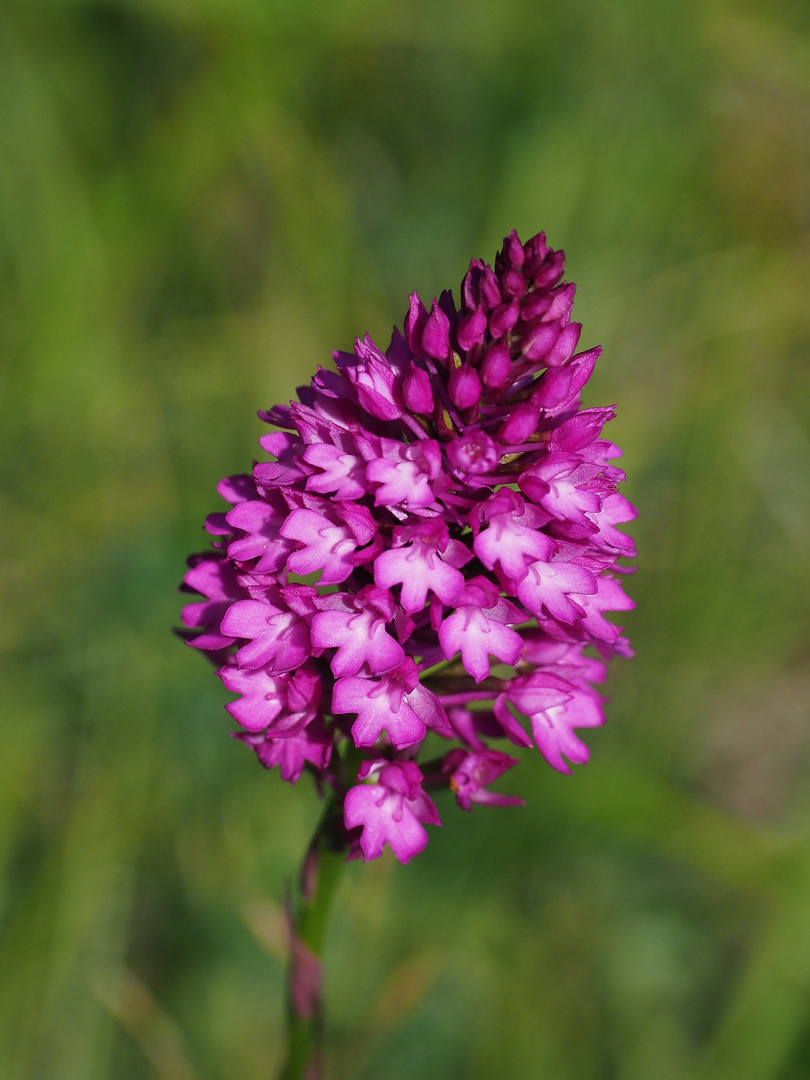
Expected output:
(458, 505)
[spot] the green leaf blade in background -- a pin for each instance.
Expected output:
(199, 201)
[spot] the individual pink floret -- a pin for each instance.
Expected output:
(396, 703)
(424, 560)
(470, 772)
(477, 629)
(355, 627)
(391, 811)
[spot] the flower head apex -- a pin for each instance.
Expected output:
(453, 510)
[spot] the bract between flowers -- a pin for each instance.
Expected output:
(454, 510)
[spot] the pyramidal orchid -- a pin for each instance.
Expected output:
(431, 551)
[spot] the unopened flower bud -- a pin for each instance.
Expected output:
(464, 387)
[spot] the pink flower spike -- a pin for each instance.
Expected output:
(391, 812)
(431, 510)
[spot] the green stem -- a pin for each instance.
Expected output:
(320, 877)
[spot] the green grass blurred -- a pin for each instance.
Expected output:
(199, 200)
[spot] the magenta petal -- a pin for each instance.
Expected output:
(390, 812)
(512, 546)
(471, 772)
(359, 639)
(553, 730)
(380, 706)
(464, 387)
(264, 696)
(476, 637)
(419, 569)
(550, 585)
(385, 819)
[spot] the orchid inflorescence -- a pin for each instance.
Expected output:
(458, 504)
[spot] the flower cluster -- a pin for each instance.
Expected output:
(429, 509)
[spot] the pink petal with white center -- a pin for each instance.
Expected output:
(564, 486)
(326, 544)
(341, 474)
(385, 818)
(360, 639)
(390, 812)
(549, 586)
(403, 476)
(261, 521)
(277, 639)
(423, 566)
(380, 705)
(512, 546)
(264, 697)
(476, 637)
(553, 729)
(566, 502)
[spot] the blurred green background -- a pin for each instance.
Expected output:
(199, 200)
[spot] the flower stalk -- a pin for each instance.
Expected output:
(308, 918)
